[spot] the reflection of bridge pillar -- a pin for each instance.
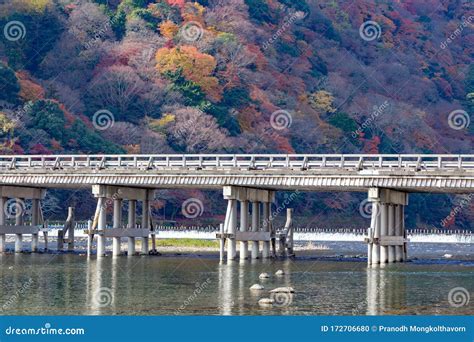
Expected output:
(372, 289)
(117, 223)
(255, 220)
(132, 221)
(244, 224)
(386, 235)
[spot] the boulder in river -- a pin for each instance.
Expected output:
(264, 275)
(285, 289)
(265, 302)
(256, 287)
(279, 273)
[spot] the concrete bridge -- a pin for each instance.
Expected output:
(249, 183)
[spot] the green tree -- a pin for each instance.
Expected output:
(46, 115)
(9, 84)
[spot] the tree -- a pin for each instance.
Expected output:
(194, 66)
(9, 84)
(194, 131)
(46, 115)
(168, 29)
(118, 89)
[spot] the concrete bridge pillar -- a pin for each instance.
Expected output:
(145, 222)
(260, 225)
(3, 239)
(386, 235)
(16, 207)
(101, 226)
(117, 223)
(266, 228)
(255, 221)
(399, 231)
(35, 213)
(132, 222)
(373, 251)
(19, 220)
(118, 231)
(244, 225)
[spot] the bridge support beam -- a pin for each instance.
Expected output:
(386, 236)
(260, 225)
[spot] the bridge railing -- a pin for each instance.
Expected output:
(241, 161)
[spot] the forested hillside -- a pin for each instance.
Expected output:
(256, 76)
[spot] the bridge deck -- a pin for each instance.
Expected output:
(413, 173)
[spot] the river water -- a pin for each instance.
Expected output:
(325, 283)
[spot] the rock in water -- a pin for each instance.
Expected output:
(256, 287)
(265, 302)
(283, 290)
(264, 276)
(279, 273)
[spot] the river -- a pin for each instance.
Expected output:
(326, 282)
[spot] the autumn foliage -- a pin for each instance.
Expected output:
(194, 65)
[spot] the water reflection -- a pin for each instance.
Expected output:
(69, 284)
(386, 290)
(226, 299)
